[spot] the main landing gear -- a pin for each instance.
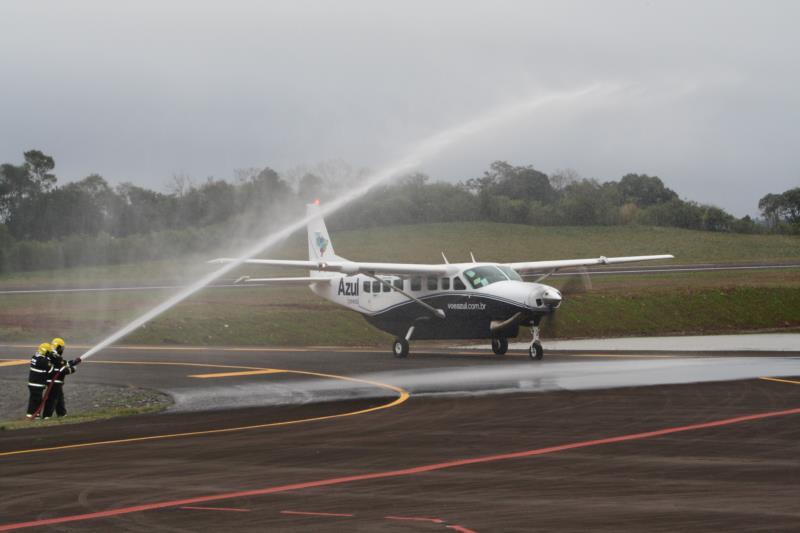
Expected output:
(400, 346)
(535, 350)
(499, 345)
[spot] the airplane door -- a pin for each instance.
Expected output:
(366, 298)
(375, 296)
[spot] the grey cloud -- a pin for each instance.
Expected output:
(138, 91)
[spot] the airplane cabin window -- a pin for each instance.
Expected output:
(483, 276)
(510, 273)
(376, 286)
(366, 287)
(433, 284)
(445, 284)
(386, 287)
(458, 284)
(398, 283)
(416, 283)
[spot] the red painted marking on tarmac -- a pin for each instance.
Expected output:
(416, 519)
(306, 513)
(193, 508)
(396, 473)
(461, 529)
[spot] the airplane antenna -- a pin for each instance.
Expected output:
(473, 257)
(445, 259)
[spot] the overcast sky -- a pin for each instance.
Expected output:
(703, 94)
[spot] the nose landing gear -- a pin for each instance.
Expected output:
(535, 350)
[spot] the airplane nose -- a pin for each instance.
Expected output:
(551, 297)
(544, 296)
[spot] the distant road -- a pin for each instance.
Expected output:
(615, 270)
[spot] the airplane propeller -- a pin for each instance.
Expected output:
(578, 282)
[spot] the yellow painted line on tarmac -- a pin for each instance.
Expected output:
(781, 380)
(14, 362)
(236, 374)
(403, 395)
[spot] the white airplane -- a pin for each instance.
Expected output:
(432, 301)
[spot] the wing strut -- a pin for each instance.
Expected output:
(438, 313)
(545, 276)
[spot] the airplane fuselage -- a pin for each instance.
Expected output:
(474, 306)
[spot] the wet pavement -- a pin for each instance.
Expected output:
(483, 443)
(756, 342)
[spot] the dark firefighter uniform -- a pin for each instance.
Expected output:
(55, 380)
(37, 377)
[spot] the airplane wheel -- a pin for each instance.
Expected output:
(536, 352)
(400, 348)
(499, 345)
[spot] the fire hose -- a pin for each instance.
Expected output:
(48, 390)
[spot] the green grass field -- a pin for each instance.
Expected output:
(712, 302)
(91, 416)
(513, 242)
(489, 241)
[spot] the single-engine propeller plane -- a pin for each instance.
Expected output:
(474, 300)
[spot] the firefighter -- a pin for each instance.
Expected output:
(55, 380)
(37, 377)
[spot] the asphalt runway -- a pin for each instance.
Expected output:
(355, 440)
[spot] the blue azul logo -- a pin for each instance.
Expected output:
(322, 243)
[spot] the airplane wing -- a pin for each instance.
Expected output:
(352, 267)
(304, 281)
(555, 265)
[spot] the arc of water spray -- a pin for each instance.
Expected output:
(424, 150)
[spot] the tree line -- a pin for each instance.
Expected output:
(524, 195)
(33, 207)
(47, 225)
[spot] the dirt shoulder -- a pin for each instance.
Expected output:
(84, 402)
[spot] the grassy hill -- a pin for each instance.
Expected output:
(632, 305)
(513, 242)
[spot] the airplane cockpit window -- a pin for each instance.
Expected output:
(482, 276)
(510, 272)
(458, 284)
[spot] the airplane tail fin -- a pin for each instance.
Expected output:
(320, 247)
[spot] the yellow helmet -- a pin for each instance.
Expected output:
(45, 348)
(58, 341)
